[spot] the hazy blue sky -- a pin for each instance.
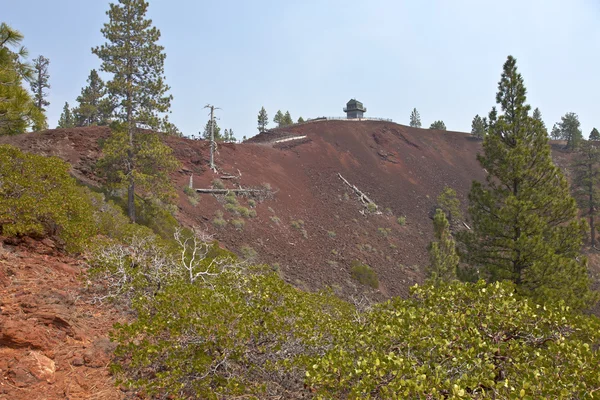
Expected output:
(443, 57)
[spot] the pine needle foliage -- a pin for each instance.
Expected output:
(443, 259)
(525, 225)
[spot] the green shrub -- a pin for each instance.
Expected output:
(252, 214)
(230, 198)
(364, 274)
(275, 219)
(231, 207)
(189, 191)
(219, 221)
(252, 203)
(238, 223)
(401, 220)
(331, 234)
(384, 231)
(248, 252)
(372, 207)
(218, 184)
(299, 224)
(39, 198)
(243, 211)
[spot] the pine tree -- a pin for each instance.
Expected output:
(537, 115)
(17, 108)
(570, 129)
(287, 119)
(443, 259)
(439, 125)
(415, 119)
(132, 55)
(594, 135)
(301, 120)
(279, 119)
(525, 225)
(94, 107)
(66, 119)
(39, 84)
(216, 131)
(263, 120)
(556, 133)
(478, 127)
(586, 183)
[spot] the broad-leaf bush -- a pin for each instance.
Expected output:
(38, 197)
(463, 341)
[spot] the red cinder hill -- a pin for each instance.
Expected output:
(315, 226)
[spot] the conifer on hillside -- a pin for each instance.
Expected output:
(524, 221)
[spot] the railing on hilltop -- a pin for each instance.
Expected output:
(349, 119)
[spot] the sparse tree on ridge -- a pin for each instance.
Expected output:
(478, 127)
(586, 183)
(287, 119)
(136, 61)
(94, 105)
(555, 134)
(216, 131)
(263, 120)
(17, 107)
(594, 135)
(537, 115)
(415, 119)
(524, 221)
(279, 119)
(439, 125)
(39, 84)
(570, 130)
(301, 120)
(66, 119)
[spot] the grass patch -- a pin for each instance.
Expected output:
(401, 220)
(364, 274)
(331, 234)
(238, 224)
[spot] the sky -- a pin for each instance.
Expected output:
(311, 56)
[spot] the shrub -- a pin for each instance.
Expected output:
(218, 221)
(304, 233)
(230, 198)
(218, 184)
(248, 252)
(401, 220)
(299, 224)
(275, 219)
(364, 274)
(189, 191)
(384, 231)
(331, 234)
(252, 214)
(252, 203)
(231, 207)
(372, 207)
(238, 224)
(243, 211)
(39, 197)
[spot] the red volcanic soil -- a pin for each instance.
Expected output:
(53, 342)
(401, 169)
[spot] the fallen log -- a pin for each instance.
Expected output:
(363, 197)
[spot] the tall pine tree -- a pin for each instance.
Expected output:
(594, 135)
(216, 131)
(263, 120)
(415, 119)
(17, 108)
(39, 84)
(525, 225)
(287, 119)
(136, 62)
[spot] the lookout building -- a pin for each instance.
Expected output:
(354, 109)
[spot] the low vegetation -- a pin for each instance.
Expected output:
(364, 274)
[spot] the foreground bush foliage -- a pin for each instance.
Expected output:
(38, 197)
(218, 330)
